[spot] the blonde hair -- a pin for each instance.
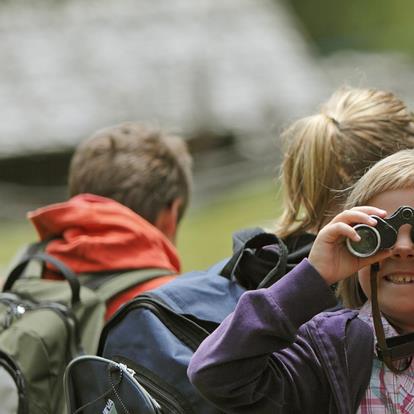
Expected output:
(327, 152)
(392, 173)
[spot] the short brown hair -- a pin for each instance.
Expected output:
(327, 152)
(137, 165)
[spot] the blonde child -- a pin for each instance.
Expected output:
(278, 352)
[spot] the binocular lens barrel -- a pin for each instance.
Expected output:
(369, 243)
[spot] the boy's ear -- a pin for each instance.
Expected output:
(167, 220)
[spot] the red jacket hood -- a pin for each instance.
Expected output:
(100, 234)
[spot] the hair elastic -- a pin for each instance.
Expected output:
(332, 119)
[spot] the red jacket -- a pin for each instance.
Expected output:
(99, 234)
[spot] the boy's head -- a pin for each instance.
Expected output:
(137, 165)
(389, 184)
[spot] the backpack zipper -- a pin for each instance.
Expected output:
(168, 403)
(132, 373)
(181, 326)
(18, 307)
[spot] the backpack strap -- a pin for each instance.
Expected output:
(107, 286)
(396, 348)
(248, 243)
(18, 272)
(243, 241)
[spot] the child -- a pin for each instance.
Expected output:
(130, 186)
(278, 352)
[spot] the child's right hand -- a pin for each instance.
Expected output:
(329, 254)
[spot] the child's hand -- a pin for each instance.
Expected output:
(329, 254)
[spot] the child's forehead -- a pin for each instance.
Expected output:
(393, 199)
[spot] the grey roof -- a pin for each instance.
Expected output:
(68, 68)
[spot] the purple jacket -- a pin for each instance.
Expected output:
(273, 355)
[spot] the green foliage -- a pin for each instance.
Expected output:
(354, 24)
(13, 235)
(205, 234)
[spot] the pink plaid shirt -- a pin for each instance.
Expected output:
(387, 393)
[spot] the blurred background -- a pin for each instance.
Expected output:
(228, 76)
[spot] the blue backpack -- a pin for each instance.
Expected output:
(157, 333)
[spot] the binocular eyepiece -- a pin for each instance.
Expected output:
(383, 235)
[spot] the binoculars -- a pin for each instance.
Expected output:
(383, 235)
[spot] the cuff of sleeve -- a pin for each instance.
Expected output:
(302, 293)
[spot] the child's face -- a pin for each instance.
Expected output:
(396, 274)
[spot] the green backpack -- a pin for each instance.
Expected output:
(44, 324)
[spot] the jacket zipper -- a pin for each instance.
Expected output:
(339, 400)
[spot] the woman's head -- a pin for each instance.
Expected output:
(327, 152)
(388, 185)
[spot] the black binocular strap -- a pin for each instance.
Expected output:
(385, 353)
